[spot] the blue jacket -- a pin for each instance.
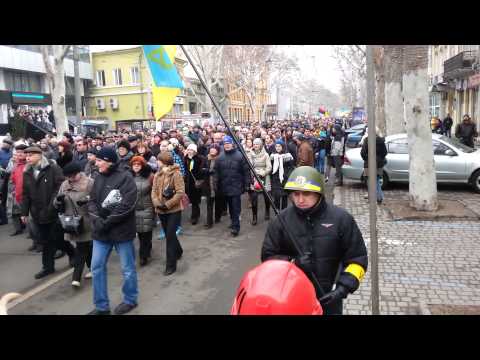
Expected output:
(5, 156)
(231, 173)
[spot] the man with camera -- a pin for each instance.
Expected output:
(112, 212)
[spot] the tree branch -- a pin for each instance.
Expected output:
(64, 51)
(46, 60)
(361, 50)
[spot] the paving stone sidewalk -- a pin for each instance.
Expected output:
(420, 262)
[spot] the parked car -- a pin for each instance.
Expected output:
(356, 128)
(354, 135)
(454, 162)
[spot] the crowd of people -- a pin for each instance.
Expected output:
(39, 116)
(101, 192)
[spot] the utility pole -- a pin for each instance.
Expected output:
(78, 98)
(372, 179)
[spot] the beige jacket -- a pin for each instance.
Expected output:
(168, 175)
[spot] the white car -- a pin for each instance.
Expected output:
(454, 162)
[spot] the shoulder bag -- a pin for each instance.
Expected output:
(72, 224)
(198, 183)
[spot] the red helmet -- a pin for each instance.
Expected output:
(276, 287)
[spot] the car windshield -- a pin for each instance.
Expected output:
(457, 144)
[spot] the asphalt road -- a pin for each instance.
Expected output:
(205, 282)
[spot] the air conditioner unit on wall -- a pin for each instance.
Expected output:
(100, 104)
(114, 103)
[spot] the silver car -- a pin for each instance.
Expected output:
(454, 162)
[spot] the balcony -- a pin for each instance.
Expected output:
(459, 65)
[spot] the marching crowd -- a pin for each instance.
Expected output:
(101, 192)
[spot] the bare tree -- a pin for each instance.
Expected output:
(394, 117)
(351, 61)
(246, 67)
(56, 79)
(422, 177)
(316, 95)
(379, 65)
(283, 71)
(209, 62)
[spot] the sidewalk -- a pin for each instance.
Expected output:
(420, 262)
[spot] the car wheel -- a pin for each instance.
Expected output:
(475, 181)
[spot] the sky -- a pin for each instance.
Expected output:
(315, 61)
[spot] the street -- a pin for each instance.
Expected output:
(423, 264)
(205, 282)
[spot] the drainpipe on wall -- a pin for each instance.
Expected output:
(141, 82)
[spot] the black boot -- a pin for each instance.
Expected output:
(254, 218)
(170, 270)
(267, 214)
(43, 273)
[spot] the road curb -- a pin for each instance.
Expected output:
(38, 289)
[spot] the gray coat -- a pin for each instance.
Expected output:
(75, 192)
(144, 208)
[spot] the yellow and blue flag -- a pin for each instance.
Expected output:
(167, 82)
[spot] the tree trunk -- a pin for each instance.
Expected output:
(422, 177)
(58, 96)
(394, 109)
(56, 80)
(379, 88)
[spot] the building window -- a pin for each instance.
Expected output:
(135, 75)
(117, 76)
(434, 105)
(22, 81)
(100, 77)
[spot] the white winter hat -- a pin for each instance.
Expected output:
(257, 141)
(192, 147)
(174, 142)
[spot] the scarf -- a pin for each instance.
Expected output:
(278, 160)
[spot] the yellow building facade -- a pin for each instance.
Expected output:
(239, 110)
(121, 93)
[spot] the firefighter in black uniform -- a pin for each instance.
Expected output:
(333, 246)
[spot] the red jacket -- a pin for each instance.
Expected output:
(17, 180)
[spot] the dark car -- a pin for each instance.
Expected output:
(354, 135)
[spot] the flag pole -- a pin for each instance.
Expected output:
(252, 169)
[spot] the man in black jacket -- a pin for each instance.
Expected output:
(333, 246)
(466, 131)
(41, 180)
(381, 151)
(447, 126)
(232, 179)
(112, 210)
(80, 153)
